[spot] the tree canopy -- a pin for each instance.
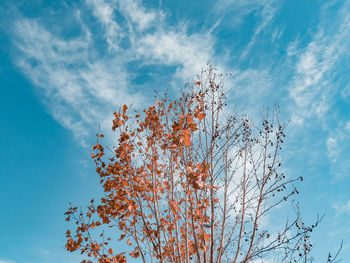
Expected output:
(191, 181)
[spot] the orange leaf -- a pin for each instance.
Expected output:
(187, 137)
(125, 108)
(135, 254)
(128, 242)
(189, 169)
(110, 251)
(122, 236)
(189, 119)
(206, 237)
(198, 83)
(201, 116)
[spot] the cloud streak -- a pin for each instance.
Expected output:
(314, 87)
(6, 261)
(318, 84)
(80, 88)
(81, 82)
(76, 90)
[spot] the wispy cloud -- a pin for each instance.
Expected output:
(343, 208)
(105, 14)
(253, 87)
(81, 88)
(315, 81)
(76, 90)
(154, 41)
(265, 11)
(138, 14)
(319, 83)
(7, 261)
(338, 144)
(244, 7)
(170, 48)
(253, 81)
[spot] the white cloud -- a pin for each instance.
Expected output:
(253, 87)
(254, 84)
(7, 261)
(138, 14)
(244, 7)
(344, 208)
(268, 11)
(313, 86)
(163, 45)
(347, 126)
(332, 147)
(78, 92)
(105, 13)
(177, 47)
(81, 88)
(265, 11)
(338, 144)
(318, 86)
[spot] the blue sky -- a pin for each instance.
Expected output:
(66, 65)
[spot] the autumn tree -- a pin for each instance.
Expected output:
(189, 181)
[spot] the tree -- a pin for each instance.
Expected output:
(190, 182)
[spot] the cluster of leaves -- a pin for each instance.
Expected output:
(151, 193)
(187, 182)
